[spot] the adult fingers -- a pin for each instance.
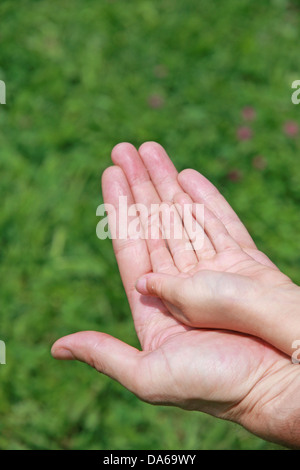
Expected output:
(203, 191)
(161, 169)
(194, 227)
(106, 354)
(131, 253)
(147, 199)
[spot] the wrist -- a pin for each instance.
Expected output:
(279, 317)
(272, 409)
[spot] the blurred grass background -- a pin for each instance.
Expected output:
(211, 82)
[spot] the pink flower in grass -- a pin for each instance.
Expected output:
(248, 113)
(155, 101)
(244, 133)
(235, 175)
(291, 129)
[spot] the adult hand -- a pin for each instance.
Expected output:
(226, 374)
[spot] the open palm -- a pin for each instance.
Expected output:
(209, 277)
(222, 373)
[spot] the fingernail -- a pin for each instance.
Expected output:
(141, 286)
(62, 353)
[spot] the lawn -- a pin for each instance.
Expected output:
(210, 81)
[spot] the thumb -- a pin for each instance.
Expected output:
(105, 353)
(166, 287)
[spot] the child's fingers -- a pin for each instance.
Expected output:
(170, 289)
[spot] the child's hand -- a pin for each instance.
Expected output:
(229, 286)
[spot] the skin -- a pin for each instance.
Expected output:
(231, 375)
(229, 284)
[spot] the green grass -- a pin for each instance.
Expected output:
(82, 76)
